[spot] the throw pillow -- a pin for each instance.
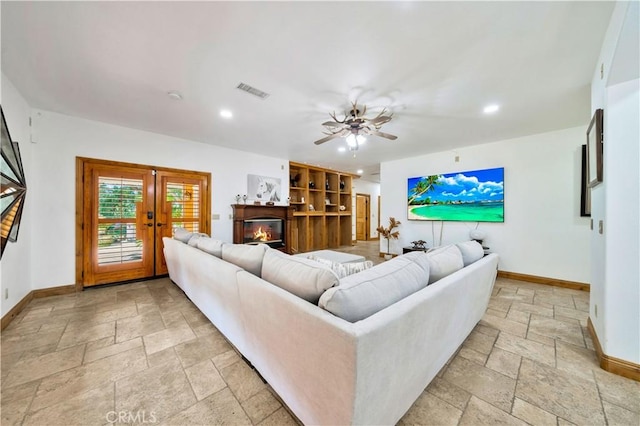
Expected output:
(247, 256)
(471, 251)
(211, 246)
(305, 278)
(181, 234)
(361, 295)
(444, 261)
(343, 269)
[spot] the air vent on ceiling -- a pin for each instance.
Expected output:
(253, 91)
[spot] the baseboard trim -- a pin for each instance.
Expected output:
(614, 365)
(54, 291)
(13, 312)
(545, 280)
(34, 294)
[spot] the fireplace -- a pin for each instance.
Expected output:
(264, 230)
(255, 224)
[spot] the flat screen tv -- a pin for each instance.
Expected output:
(474, 196)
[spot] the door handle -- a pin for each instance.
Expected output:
(149, 224)
(159, 224)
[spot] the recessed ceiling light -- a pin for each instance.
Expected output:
(176, 96)
(341, 149)
(226, 113)
(360, 171)
(490, 109)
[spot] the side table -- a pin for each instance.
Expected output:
(406, 250)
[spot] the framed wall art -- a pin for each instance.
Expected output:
(585, 190)
(263, 188)
(595, 148)
(14, 187)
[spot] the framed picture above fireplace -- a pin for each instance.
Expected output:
(264, 188)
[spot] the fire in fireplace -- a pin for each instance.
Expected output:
(268, 231)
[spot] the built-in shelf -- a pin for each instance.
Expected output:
(326, 226)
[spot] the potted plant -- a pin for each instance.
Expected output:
(388, 234)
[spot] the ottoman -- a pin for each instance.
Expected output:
(334, 256)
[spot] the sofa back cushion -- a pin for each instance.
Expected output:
(444, 261)
(305, 278)
(210, 245)
(193, 241)
(361, 295)
(247, 256)
(471, 251)
(181, 234)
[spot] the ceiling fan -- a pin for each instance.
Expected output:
(354, 125)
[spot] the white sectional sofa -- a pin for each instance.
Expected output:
(327, 369)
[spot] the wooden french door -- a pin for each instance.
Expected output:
(124, 211)
(181, 201)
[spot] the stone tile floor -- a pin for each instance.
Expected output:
(143, 351)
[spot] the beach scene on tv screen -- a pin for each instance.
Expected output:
(473, 196)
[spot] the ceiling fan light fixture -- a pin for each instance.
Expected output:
(354, 126)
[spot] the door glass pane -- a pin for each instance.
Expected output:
(118, 201)
(185, 205)
(118, 197)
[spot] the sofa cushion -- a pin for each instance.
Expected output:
(181, 234)
(303, 277)
(343, 269)
(210, 245)
(361, 295)
(444, 261)
(193, 241)
(247, 256)
(471, 251)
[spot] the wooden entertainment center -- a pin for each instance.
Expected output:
(322, 202)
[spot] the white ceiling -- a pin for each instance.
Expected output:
(435, 65)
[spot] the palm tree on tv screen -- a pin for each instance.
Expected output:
(422, 186)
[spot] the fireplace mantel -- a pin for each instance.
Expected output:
(242, 212)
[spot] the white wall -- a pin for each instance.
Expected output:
(622, 227)
(16, 259)
(615, 270)
(543, 233)
(61, 138)
(361, 186)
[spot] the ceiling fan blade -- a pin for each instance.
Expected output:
(328, 138)
(385, 135)
(332, 124)
(378, 121)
